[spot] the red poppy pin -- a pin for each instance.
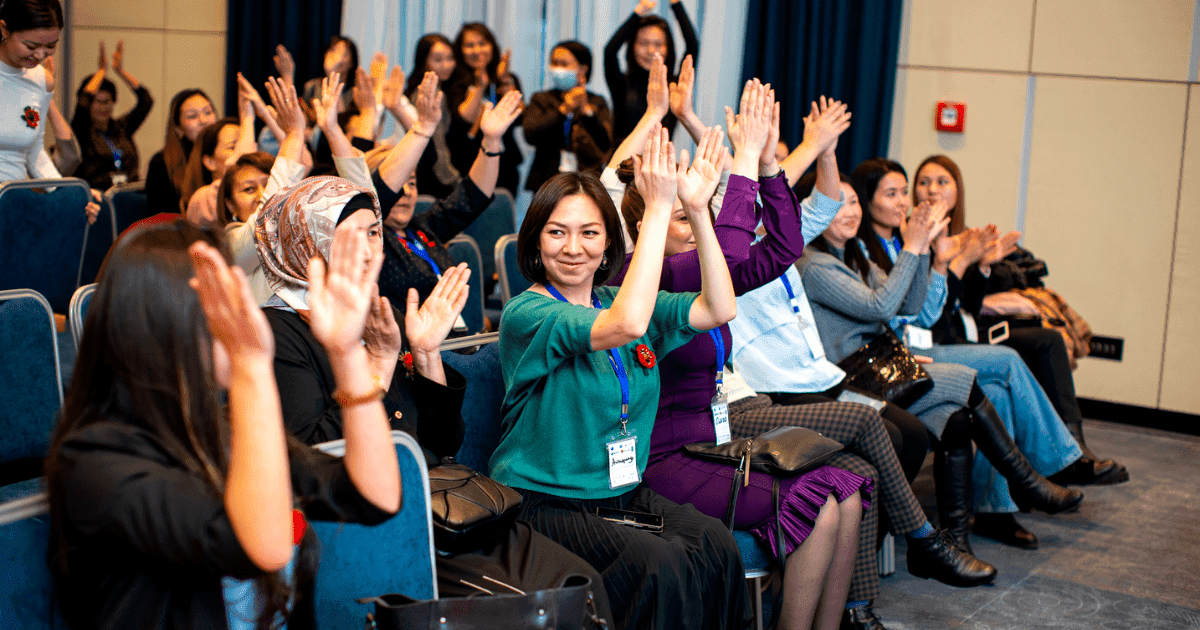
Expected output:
(645, 356)
(31, 117)
(407, 359)
(298, 526)
(425, 239)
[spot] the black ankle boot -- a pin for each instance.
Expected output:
(952, 474)
(861, 618)
(1089, 470)
(1028, 488)
(1004, 527)
(939, 557)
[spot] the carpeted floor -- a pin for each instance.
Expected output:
(1127, 560)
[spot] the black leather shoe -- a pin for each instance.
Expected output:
(861, 618)
(1029, 489)
(1004, 527)
(1087, 471)
(939, 558)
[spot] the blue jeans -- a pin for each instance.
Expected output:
(1026, 411)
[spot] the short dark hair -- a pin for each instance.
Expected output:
(105, 86)
(866, 178)
(580, 52)
(26, 15)
(545, 201)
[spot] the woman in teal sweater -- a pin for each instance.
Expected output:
(582, 391)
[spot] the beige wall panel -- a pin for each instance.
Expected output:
(1114, 38)
(119, 13)
(1101, 211)
(970, 34)
(1181, 383)
(196, 61)
(989, 151)
(144, 60)
(196, 15)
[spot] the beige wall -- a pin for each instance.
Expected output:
(1077, 114)
(169, 45)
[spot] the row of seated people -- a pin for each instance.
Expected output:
(646, 332)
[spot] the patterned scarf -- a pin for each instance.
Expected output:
(296, 224)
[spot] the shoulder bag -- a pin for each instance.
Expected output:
(885, 367)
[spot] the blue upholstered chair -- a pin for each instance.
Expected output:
(78, 311)
(43, 231)
(128, 205)
(463, 249)
(395, 556)
(481, 403)
(30, 384)
(511, 280)
(488, 228)
(27, 591)
(424, 203)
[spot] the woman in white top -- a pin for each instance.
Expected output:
(29, 31)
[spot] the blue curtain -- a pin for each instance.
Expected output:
(845, 50)
(257, 26)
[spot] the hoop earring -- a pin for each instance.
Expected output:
(604, 263)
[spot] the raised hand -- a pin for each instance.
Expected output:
(381, 336)
(427, 326)
(364, 92)
(246, 98)
(946, 248)
(575, 99)
(999, 247)
(496, 120)
(698, 182)
(287, 105)
(502, 67)
(825, 123)
(231, 311)
(655, 174)
(284, 64)
(379, 66)
(658, 98)
(768, 159)
(748, 131)
(48, 64)
(339, 293)
(681, 92)
(119, 57)
(644, 7)
(429, 105)
(326, 108)
(103, 63)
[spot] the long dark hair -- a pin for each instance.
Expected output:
(463, 73)
(25, 15)
(958, 214)
(420, 62)
(865, 179)
(529, 253)
(197, 176)
(176, 150)
(145, 360)
(352, 49)
(852, 255)
(632, 69)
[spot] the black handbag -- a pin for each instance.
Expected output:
(571, 606)
(884, 367)
(469, 509)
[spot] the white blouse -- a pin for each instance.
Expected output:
(24, 113)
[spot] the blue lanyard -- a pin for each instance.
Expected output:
(614, 358)
(117, 153)
(419, 249)
(895, 248)
(719, 341)
(791, 294)
(567, 130)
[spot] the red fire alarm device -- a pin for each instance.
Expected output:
(950, 116)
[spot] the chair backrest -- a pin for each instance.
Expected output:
(424, 203)
(78, 312)
(100, 238)
(481, 402)
(463, 249)
(396, 556)
(27, 589)
(488, 228)
(42, 236)
(30, 383)
(511, 280)
(128, 204)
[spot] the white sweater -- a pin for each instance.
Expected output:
(24, 107)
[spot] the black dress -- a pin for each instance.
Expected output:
(464, 147)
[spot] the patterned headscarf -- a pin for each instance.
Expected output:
(296, 224)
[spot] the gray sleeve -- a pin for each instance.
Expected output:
(837, 287)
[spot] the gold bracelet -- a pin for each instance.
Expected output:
(345, 401)
(414, 130)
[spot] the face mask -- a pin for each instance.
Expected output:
(562, 79)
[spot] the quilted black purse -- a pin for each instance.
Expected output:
(884, 367)
(469, 509)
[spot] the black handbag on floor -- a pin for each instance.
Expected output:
(571, 606)
(885, 367)
(469, 509)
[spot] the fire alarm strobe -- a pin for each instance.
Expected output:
(950, 116)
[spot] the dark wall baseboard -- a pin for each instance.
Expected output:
(1140, 416)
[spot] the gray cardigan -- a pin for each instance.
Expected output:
(850, 314)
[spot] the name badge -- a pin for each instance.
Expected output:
(813, 340)
(720, 414)
(855, 397)
(919, 338)
(119, 178)
(568, 162)
(622, 462)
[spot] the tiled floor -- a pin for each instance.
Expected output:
(1127, 560)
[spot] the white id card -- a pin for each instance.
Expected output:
(568, 162)
(622, 462)
(919, 338)
(720, 413)
(855, 397)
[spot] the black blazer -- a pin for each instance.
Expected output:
(545, 129)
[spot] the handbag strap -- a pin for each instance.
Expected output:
(739, 476)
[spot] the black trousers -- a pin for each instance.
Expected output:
(1045, 352)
